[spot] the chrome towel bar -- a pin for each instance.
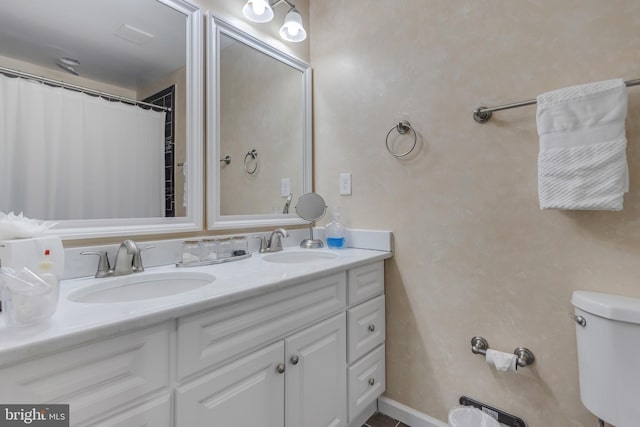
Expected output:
(483, 114)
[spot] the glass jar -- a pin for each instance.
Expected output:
(210, 249)
(28, 298)
(240, 246)
(191, 251)
(225, 248)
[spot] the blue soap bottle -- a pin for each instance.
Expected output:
(335, 231)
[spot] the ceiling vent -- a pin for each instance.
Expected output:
(68, 64)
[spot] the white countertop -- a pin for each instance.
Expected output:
(75, 323)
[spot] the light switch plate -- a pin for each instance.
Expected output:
(285, 187)
(345, 184)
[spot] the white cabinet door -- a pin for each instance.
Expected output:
(248, 392)
(316, 389)
(155, 413)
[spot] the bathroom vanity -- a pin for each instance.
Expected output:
(273, 342)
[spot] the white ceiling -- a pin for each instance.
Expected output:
(40, 31)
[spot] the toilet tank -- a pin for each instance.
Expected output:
(609, 356)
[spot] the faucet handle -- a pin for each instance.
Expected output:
(263, 243)
(136, 261)
(104, 266)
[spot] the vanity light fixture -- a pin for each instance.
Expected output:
(258, 11)
(292, 29)
(262, 11)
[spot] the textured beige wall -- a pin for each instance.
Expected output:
(473, 253)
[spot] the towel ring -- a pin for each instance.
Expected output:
(402, 128)
(253, 154)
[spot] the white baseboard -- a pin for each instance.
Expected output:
(407, 415)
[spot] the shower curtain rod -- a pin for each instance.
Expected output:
(79, 88)
(483, 114)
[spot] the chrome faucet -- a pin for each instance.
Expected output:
(287, 203)
(128, 260)
(274, 242)
(127, 252)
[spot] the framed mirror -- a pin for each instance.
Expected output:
(258, 130)
(100, 115)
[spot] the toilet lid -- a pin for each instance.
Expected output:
(609, 306)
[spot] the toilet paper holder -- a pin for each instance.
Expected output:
(525, 356)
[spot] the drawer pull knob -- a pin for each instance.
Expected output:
(280, 368)
(372, 328)
(295, 359)
(372, 381)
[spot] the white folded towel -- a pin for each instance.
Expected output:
(582, 163)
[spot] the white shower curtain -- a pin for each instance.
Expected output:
(68, 155)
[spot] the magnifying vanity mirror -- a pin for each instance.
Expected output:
(311, 207)
(258, 130)
(80, 143)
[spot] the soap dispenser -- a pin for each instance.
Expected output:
(335, 231)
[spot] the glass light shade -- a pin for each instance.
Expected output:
(292, 29)
(258, 11)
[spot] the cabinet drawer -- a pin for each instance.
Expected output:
(366, 381)
(366, 327)
(365, 282)
(212, 337)
(246, 392)
(93, 379)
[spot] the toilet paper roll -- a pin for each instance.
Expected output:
(501, 361)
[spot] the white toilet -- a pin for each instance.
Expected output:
(608, 339)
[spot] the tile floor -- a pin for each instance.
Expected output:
(382, 420)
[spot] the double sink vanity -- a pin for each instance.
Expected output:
(293, 338)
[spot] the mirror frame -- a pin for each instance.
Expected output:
(215, 220)
(85, 229)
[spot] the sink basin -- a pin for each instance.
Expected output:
(141, 286)
(299, 257)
